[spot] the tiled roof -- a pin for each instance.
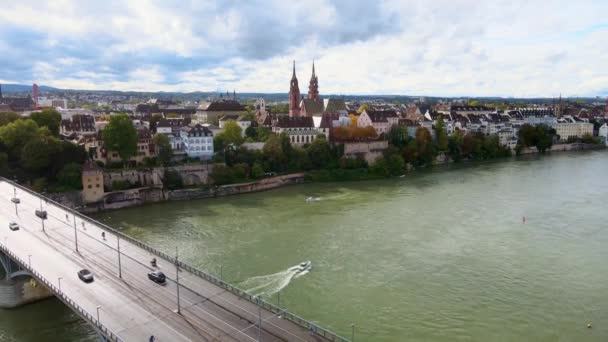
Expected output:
(312, 107)
(295, 122)
(335, 105)
(224, 105)
(381, 116)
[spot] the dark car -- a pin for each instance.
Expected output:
(157, 277)
(85, 275)
(42, 214)
(13, 226)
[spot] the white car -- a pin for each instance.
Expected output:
(13, 226)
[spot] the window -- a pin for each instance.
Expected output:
(97, 185)
(89, 186)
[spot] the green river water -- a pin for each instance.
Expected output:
(439, 255)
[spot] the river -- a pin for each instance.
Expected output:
(439, 255)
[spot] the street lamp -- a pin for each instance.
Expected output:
(352, 338)
(59, 281)
(29, 260)
(75, 234)
(98, 307)
(177, 279)
(259, 320)
(118, 248)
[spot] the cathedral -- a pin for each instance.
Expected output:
(312, 105)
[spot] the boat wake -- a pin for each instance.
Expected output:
(267, 285)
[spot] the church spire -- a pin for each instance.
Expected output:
(313, 87)
(294, 94)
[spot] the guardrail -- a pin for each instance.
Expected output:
(100, 328)
(310, 326)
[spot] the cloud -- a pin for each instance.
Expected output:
(416, 47)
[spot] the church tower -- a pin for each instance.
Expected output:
(313, 87)
(294, 94)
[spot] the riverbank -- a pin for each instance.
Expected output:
(154, 194)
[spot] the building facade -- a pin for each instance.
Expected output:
(197, 141)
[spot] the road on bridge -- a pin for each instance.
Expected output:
(130, 305)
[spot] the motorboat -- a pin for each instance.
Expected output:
(312, 199)
(305, 266)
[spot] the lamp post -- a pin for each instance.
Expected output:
(29, 260)
(259, 320)
(177, 278)
(352, 337)
(59, 281)
(98, 307)
(75, 234)
(119, 265)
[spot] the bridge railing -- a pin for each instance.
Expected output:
(100, 328)
(310, 326)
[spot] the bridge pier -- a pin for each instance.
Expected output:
(17, 287)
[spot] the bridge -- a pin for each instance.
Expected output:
(43, 257)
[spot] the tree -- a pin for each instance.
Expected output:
(273, 153)
(154, 121)
(257, 171)
(49, 118)
(455, 142)
(319, 152)
(262, 133)
(232, 133)
(442, 136)
(16, 134)
(395, 164)
(251, 132)
(70, 176)
(222, 174)
(398, 136)
(8, 117)
(165, 152)
(67, 153)
(36, 154)
(121, 136)
(424, 144)
(527, 135)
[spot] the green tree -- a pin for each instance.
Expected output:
(395, 164)
(8, 117)
(424, 144)
(165, 152)
(273, 154)
(67, 153)
(222, 174)
(257, 171)
(49, 118)
(16, 134)
(527, 135)
(455, 146)
(262, 133)
(319, 152)
(251, 132)
(121, 136)
(70, 176)
(232, 133)
(442, 135)
(36, 154)
(398, 136)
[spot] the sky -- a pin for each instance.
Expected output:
(519, 48)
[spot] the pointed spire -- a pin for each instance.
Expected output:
(294, 70)
(313, 68)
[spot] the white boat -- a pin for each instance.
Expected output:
(305, 266)
(312, 199)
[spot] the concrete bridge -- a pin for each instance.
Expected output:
(43, 257)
